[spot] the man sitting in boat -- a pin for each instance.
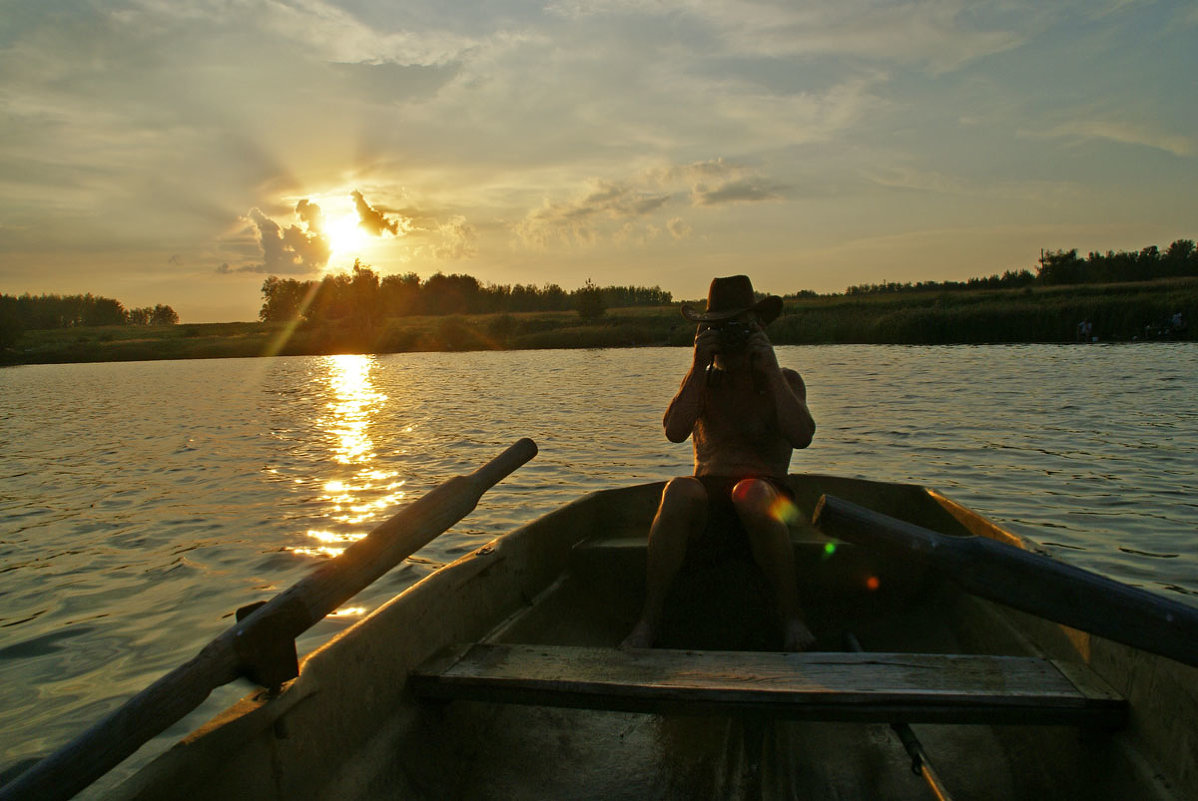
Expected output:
(745, 415)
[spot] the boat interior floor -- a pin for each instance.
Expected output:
(513, 751)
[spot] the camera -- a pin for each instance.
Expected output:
(733, 334)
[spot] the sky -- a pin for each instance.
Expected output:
(180, 151)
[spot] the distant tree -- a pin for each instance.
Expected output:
(553, 298)
(284, 299)
(399, 294)
(103, 311)
(139, 316)
(1181, 250)
(1061, 267)
(11, 324)
(163, 315)
(451, 294)
(364, 299)
(588, 302)
(624, 296)
(1181, 258)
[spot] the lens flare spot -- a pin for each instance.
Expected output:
(829, 550)
(781, 508)
(872, 583)
(784, 510)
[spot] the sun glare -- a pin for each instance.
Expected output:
(346, 237)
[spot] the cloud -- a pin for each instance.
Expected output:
(938, 34)
(579, 220)
(287, 251)
(1113, 131)
(678, 228)
(902, 177)
(456, 240)
(694, 171)
(337, 35)
(933, 182)
(745, 190)
(311, 215)
(374, 221)
(627, 211)
(717, 181)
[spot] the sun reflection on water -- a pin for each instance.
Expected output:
(356, 491)
(354, 402)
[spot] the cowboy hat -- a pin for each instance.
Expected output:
(731, 296)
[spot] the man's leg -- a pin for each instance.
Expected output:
(757, 504)
(681, 515)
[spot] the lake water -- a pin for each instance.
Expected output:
(142, 503)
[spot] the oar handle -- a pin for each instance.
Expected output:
(1027, 581)
(506, 463)
(261, 643)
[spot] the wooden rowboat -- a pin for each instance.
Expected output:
(499, 677)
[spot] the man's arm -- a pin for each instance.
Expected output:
(790, 399)
(789, 394)
(683, 412)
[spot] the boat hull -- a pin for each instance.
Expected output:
(351, 727)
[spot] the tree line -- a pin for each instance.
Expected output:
(37, 312)
(1066, 267)
(1063, 267)
(362, 296)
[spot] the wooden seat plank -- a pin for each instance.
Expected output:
(944, 688)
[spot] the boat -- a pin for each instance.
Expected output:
(500, 676)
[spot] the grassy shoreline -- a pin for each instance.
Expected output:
(1118, 312)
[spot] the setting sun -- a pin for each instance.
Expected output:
(346, 237)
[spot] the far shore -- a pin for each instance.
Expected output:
(1124, 312)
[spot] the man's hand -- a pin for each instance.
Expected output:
(761, 352)
(707, 344)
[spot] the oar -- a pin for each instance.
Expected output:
(261, 645)
(1027, 581)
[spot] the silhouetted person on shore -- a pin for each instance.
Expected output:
(745, 415)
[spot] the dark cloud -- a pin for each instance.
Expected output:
(311, 215)
(619, 201)
(374, 221)
(288, 251)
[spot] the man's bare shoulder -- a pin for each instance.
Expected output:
(796, 382)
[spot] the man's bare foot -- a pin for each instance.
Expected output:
(796, 636)
(642, 636)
